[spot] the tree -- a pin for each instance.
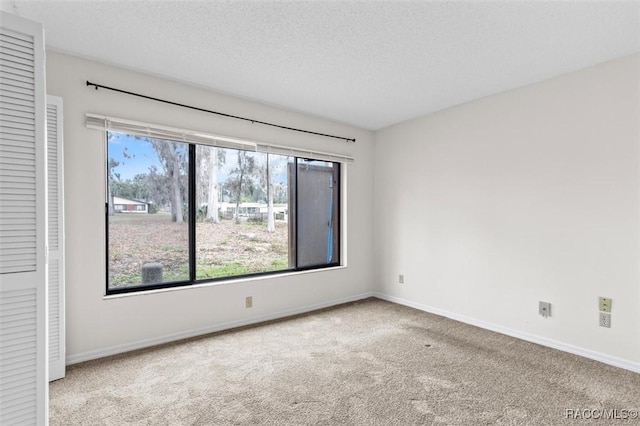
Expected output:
(273, 192)
(135, 189)
(157, 184)
(240, 181)
(207, 188)
(271, 221)
(217, 157)
(140, 187)
(280, 193)
(112, 176)
(202, 179)
(266, 177)
(172, 157)
(112, 163)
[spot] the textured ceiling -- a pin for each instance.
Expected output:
(369, 64)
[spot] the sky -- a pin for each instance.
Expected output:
(142, 155)
(136, 156)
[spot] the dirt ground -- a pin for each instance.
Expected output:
(221, 249)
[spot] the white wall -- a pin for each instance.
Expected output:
(97, 325)
(486, 208)
(530, 195)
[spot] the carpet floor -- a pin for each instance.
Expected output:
(363, 363)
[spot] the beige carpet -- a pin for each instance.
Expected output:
(365, 363)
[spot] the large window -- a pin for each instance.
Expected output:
(181, 213)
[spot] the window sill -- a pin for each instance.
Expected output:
(231, 281)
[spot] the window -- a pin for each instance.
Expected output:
(201, 213)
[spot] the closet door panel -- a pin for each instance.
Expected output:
(23, 232)
(55, 225)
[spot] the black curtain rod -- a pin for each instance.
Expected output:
(99, 86)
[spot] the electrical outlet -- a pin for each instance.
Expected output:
(604, 304)
(401, 279)
(248, 302)
(544, 309)
(605, 320)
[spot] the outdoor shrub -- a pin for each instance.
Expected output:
(201, 214)
(256, 220)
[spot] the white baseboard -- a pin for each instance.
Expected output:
(118, 349)
(565, 347)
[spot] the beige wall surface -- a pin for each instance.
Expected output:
(526, 196)
(96, 325)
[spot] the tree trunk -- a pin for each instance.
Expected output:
(202, 176)
(176, 194)
(239, 196)
(212, 201)
(111, 211)
(241, 166)
(271, 225)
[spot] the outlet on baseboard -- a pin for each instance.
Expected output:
(248, 302)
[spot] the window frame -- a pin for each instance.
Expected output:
(192, 223)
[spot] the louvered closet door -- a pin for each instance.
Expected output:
(55, 226)
(23, 232)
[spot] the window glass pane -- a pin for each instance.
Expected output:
(254, 212)
(317, 213)
(148, 233)
(234, 233)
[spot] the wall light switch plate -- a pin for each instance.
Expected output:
(604, 304)
(248, 302)
(544, 309)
